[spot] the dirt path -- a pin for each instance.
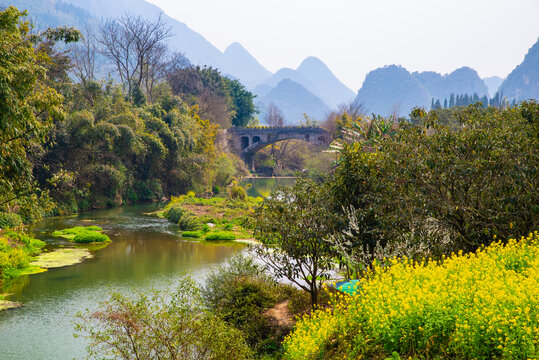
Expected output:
(281, 315)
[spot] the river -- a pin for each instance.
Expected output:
(146, 252)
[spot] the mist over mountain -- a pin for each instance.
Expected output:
(293, 100)
(523, 82)
(493, 84)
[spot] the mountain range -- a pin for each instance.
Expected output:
(393, 89)
(311, 88)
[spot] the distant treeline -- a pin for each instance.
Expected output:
(465, 99)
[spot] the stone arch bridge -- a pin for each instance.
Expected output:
(245, 142)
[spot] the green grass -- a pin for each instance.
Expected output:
(83, 234)
(192, 234)
(220, 235)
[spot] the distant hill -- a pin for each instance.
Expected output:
(293, 99)
(316, 77)
(243, 65)
(464, 80)
(523, 82)
(493, 84)
(331, 89)
(392, 88)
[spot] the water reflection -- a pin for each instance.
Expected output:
(263, 186)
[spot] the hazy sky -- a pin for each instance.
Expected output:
(354, 37)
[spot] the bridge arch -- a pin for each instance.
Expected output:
(246, 142)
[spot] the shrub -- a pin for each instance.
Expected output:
(29, 244)
(9, 220)
(240, 292)
(206, 228)
(482, 305)
(174, 213)
(228, 226)
(160, 325)
(189, 222)
(15, 252)
(221, 235)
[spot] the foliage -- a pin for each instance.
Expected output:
(434, 188)
(9, 220)
(174, 212)
(220, 235)
(482, 305)
(189, 222)
(16, 250)
(293, 226)
(237, 192)
(159, 325)
(240, 292)
(27, 107)
(242, 103)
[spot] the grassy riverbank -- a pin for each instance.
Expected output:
(17, 250)
(216, 218)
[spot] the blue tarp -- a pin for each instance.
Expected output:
(350, 287)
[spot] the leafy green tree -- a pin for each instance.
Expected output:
(293, 226)
(28, 104)
(242, 103)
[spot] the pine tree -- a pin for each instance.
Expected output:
(432, 104)
(445, 103)
(452, 100)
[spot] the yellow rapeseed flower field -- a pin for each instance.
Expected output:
(482, 305)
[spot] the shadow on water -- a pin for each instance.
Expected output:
(146, 252)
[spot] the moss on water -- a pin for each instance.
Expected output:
(61, 258)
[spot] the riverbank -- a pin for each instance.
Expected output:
(22, 254)
(213, 219)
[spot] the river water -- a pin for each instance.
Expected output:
(146, 252)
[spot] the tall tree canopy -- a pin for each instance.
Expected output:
(27, 103)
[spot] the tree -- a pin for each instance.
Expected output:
(274, 116)
(206, 88)
(132, 43)
(293, 225)
(242, 101)
(28, 104)
(160, 326)
(440, 187)
(83, 57)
